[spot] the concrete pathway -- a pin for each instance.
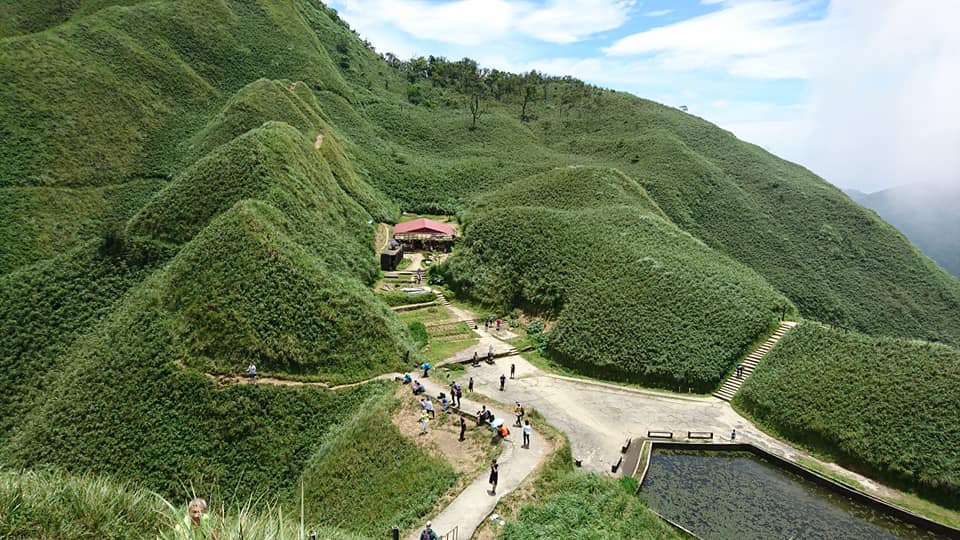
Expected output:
(598, 417)
(475, 502)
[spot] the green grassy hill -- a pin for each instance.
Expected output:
(635, 297)
(882, 406)
(168, 214)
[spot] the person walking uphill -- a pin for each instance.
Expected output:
(494, 476)
(526, 434)
(463, 428)
(503, 381)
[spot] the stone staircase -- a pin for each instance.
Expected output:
(440, 298)
(732, 385)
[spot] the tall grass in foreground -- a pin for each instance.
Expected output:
(53, 504)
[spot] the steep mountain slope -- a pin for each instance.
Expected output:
(925, 214)
(879, 405)
(635, 297)
(197, 182)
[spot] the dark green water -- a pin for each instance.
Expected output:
(727, 495)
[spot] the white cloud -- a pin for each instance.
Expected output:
(480, 22)
(884, 108)
(750, 39)
(465, 22)
(658, 13)
(568, 21)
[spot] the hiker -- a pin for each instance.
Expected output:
(739, 371)
(498, 325)
(459, 390)
(476, 359)
(417, 388)
(463, 428)
(513, 370)
(426, 369)
(486, 324)
(526, 434)
(470, 385)
(482, 415)
(429, 407)
(196, 524)
(444, 402)
(503, 431)
(494, 474)
(407, 379)
(503, 381)
(424, 420)
(518, 411)
(252, 372)
(428, 533)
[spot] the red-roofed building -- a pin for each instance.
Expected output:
(423, 226)
(425, 233)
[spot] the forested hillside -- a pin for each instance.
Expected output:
(187, 186)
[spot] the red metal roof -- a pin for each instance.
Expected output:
(423, 225)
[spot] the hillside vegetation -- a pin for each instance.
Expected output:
(635, 297)
(882, 406)
(187, 186)
(367, 477)
(569, 502)
(57, 505)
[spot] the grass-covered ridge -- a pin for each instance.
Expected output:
(570, 501)
(243, 291)
(366, 477)
(881, 406)
(635, 297)
(38, 223)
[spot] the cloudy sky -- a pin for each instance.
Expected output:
(856, 90)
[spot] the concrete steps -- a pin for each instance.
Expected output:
(732, 385)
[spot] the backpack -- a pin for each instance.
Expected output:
(427, 534)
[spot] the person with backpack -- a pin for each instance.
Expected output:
(518, 412)
(459, 395)
(428, 533)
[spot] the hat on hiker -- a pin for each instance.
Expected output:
(429, 524)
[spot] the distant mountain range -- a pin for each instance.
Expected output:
(926, 214)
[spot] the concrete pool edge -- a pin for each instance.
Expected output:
(864, 498)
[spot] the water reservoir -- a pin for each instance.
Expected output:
(723, 495)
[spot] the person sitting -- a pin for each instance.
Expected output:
(482, 415)
(417, 388)
(407, 378)
(444, 402)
